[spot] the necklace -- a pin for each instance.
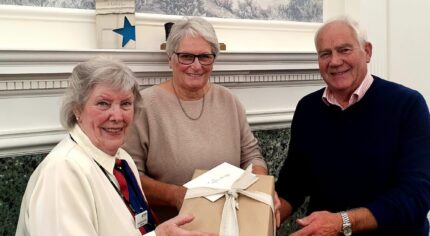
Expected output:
(182, 108)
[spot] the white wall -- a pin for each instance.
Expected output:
(409, 45)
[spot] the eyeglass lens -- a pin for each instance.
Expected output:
(187, 58)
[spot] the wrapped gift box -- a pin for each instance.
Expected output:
(254, 217)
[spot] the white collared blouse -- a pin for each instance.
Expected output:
(68, 193)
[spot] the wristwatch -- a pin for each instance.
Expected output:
(346, 224)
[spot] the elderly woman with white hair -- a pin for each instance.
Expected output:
(87, 185)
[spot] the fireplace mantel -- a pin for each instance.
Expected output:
(31, 70)
(32, 83)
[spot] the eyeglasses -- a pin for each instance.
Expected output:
(188, 58)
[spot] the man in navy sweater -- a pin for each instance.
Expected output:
(360, 148)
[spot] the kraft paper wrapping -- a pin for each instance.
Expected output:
(254, 218)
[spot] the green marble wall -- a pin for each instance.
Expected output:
(274, 147)
(15, 172)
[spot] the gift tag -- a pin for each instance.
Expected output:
(141, 219)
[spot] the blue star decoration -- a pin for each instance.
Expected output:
(128, 32)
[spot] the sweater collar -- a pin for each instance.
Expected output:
(329, 99)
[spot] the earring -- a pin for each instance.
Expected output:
(78, 119)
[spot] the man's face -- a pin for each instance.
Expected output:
(342, 61)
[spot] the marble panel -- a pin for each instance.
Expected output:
(274, 147)
(14, 175)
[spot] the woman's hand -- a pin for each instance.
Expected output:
(172, 227)
(259, 170)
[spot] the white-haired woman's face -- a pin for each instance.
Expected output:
(106, 116)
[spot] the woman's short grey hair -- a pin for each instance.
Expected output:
(359, 33)
(86, 75)
(193, 27)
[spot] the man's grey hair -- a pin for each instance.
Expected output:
(359, 34)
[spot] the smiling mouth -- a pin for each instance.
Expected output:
(338, 73)
(114, 130)
(194, 75)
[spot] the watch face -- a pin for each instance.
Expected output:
(347, 231)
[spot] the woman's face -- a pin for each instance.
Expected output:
(106, 116)
(193, 77)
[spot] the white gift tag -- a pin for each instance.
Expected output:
(221, 177)
(141, 219)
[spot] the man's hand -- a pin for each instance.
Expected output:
(320, 223)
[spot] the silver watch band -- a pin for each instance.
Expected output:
(345, 217)
(346, 224)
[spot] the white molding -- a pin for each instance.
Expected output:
(42, 141)
(34, 75)
(63, 61)
(270, 119)
(30, 13)
(30, 141)
(34, 70)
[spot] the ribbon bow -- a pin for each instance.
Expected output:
(229, 224)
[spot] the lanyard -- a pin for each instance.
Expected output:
(129, 205)
(142, 217)
(118, 191)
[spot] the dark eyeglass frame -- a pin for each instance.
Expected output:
(199, 56)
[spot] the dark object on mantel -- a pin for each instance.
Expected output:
(167, 27)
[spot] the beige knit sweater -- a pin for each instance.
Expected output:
(168, 146)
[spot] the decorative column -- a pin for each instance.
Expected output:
(115, 24)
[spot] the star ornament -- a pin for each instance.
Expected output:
(128, 32)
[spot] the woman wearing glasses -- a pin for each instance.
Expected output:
(187, 123)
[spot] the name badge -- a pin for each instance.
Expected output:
(141, 219)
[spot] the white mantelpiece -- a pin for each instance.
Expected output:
(32, 83)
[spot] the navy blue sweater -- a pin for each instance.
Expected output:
(374, 154)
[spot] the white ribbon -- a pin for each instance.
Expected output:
(229, 225)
